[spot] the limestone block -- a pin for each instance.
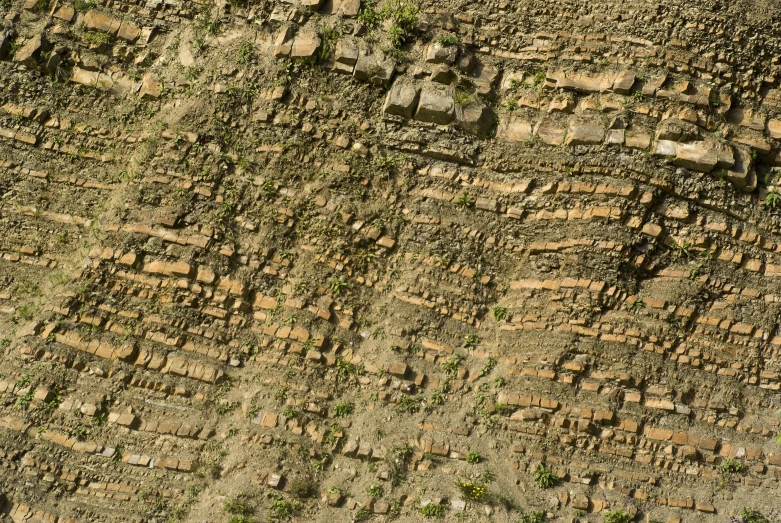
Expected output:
(435, 106)
(402, 99)
(585, 131)
(476, 119)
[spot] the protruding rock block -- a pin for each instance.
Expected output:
(435, 106)
(284, 42)
(402, 99)
(476, 119)
(31, 51)
(99, 22)
(742, 174)
(585, 131)
(305, 46)
(374, 68)
(551, 132)
(437, 53)
(515, 130)
(150, 88)
(697, 156)
(624, 82)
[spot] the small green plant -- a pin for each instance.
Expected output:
(84, 5)
(347, 373)
(246, 53)
(268, 187)
(363, 514)
(750, 515)
(23, 402)
(618, 516)
(544, 477)
(375, 490)
(500, 313)
(238, 505)
(343, 409)
(536, 516)
(368, 14)
(290, 412)
(465, 201)
(472, 491)
(538, 79)
(437, 397)
(96, 38)
(451, 365)
(99, 419)
(432, 510)
(404, 21)
(328, 38)
(408, 404)
(472, 458)
(24, 381)
(464, 93)
(471, 341)
(280, 508)
(732, 466)
(773, 198)
(637, 305)
(448, 40)
(337, 285)
(302, 488)
(681, 250)
(489, 366)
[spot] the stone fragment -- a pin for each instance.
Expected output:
(774, 128)
(31, 51)
(435, 106)
(99, 22)
(515, 130)
(742, 174)
(5, 45)
(65, 13)
(305, 46)
(150, 88)
(436, 53)
(476, 119)
(624, 82)
(284, 42)
(551, 132)
(84, 77)
(442, 75)
(346, 52)
(585, 131)
(128, 32)
(347, 7)
(696, 156)
(402, 99)
(374, 68)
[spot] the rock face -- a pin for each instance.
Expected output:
(342, 260)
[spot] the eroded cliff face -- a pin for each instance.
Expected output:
(333, 260)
